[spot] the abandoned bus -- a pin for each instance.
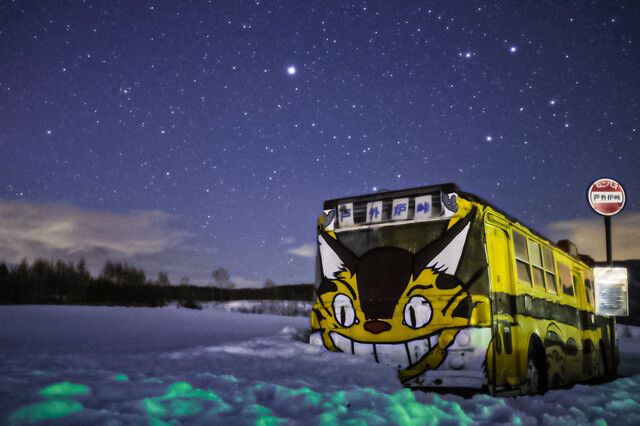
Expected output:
(454, 293)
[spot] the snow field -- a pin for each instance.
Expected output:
(61, 371)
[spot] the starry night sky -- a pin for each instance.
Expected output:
(237, 119)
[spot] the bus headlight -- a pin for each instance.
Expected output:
(457, 362)
(463, 338)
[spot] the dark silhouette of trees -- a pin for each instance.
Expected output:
(48, 282)
(163, 279)
(120, 274)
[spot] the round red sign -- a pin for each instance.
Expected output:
(606, 197)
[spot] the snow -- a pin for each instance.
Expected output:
(275, 307)
(167, 365)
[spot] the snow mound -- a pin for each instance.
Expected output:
(295, 308)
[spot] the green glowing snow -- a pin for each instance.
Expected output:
(121, 378)
(46, 410)
(64, 390)
(264, 416)
(182, 400)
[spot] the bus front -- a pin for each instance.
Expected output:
(402, 280)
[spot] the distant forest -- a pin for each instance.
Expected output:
(119, 284)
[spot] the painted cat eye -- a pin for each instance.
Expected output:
(343, 310)
(417, 312)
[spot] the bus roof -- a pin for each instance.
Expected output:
(445, 188)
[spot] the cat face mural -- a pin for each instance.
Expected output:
(393, 306)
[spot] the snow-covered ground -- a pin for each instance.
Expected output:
(100, 365)
(275, 307)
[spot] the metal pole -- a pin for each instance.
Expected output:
(607, 235)
(612, 320)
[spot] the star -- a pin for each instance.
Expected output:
(410, 91)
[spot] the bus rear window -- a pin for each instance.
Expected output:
(549, 270)
(536, 263)
(565, 279)
(589, 291)
(522, 257)
(520, 243)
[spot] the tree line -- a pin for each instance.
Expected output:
(120, 284)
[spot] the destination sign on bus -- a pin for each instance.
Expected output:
(345, 214)
(374, 212)
(400, 209)
(424, 207)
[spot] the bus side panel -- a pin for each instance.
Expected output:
(505, 344)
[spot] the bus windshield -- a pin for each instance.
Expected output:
(411, 237)
(415, 236)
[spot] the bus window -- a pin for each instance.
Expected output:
(522, 257)
(576, 281)
(565, 279)
(549, 271)
(588, 288)
(536, 262)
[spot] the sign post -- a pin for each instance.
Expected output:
(607, 198)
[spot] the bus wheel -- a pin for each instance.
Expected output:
(603, 361)
(536, 380)
(556, 381)
(532, 382)
(600, 365)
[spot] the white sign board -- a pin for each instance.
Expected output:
(345, 214)
(612, 291)
(422, 209)
(374, 212)
(400, 209)
(606, 197)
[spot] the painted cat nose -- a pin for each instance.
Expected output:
(376, 326)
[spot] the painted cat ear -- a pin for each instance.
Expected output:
(335, 257)
(444, 253)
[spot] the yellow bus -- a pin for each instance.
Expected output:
(454, 293)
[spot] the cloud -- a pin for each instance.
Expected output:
(287, 240)
(55, 231)
(245, 282)
(588, 235)
(305, 250)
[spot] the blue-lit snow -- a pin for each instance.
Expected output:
(150, 365)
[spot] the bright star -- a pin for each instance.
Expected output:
(489, 138)
(291, 70)
(512, 49)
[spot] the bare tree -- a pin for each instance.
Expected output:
(222, 278)
(269, 283)
(163, 279)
